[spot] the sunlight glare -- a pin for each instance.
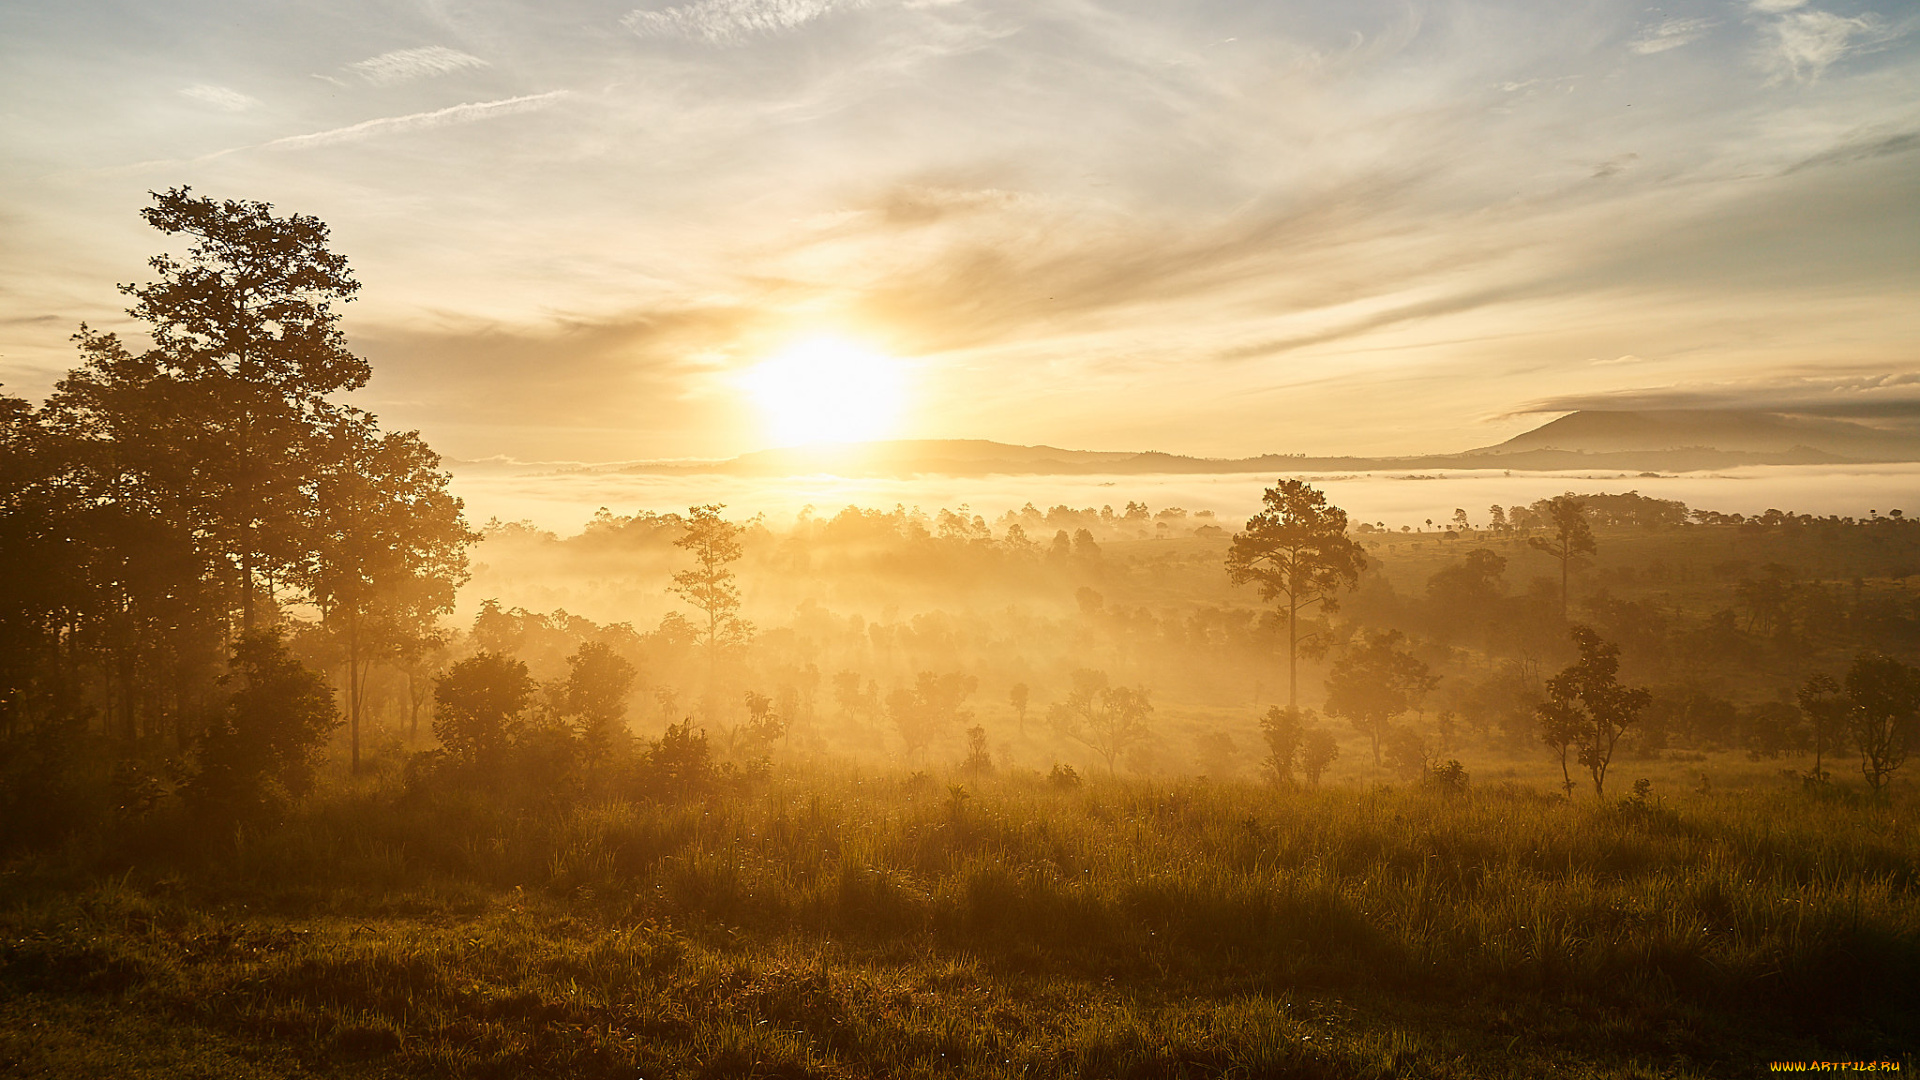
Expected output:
(828, 390)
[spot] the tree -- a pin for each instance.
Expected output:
(1467, 591)
(388, 544)
(259, 751)
(477, 708)
(930, 708)
(1017, 696)
(714, 543)
(1109, 720)
(1883, 696)
(217, 417)
(1318, 749)
(1826, 710)
(1376, 681)
(1587, 709)
(1572, 538)
(598, 683)
(1297, 551)
(1284, 730)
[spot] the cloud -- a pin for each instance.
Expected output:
(454, 114)
(405, 65)
(1775, 7)
(731, 22)
(219, 97)
(1887, 396)
(1805, 43)
(1861, 150)
(1669, 35)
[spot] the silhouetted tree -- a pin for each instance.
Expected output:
(1318, 749)
(598, 683)
(1285, 730)
(1883, 697)
(1296, 549)
(218, 416)
(714, 543)
(1109, 720)
(1572, 538)
(1018, 696)
(259, 751)
(1588, 708)
(1825, 708)
(1376, 681)
(477, 708)
(388, 545)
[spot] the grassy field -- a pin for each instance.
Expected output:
(835, 924)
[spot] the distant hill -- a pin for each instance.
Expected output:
(1723, 430)
(1650, 440)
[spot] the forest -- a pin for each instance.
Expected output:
(302, 773)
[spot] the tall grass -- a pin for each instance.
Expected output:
(845, 924)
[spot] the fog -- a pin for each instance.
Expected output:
(564, 501)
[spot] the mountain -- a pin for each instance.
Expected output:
(1595, 432)
(1672, 440)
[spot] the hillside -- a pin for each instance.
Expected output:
(1662, 440)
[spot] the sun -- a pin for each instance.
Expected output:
(828, 390)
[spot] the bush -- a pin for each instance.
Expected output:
(258, 753)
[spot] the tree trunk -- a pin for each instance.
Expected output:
(353, 688)
(1293, 655)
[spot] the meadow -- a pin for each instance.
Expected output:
(839, 924)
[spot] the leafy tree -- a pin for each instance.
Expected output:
(388, 545)
(217, 417)
(1572, 538)
(1587, 709)
(1376, 681)
(260, 750)
(1017, 696)
(599, 681)
(477, 708)
(1297, 551)
(1826, 710)
(930, 708)
(1109, 720)
(680, 765)
(1883, 696)
(1318, 749)
(1285, 730)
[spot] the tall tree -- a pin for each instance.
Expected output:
(1376, 681)
(1588, 709)
(1298, 553)
(387, 544)
(220, 412)
(1825, 708)
(1572, 538)
(714, 543)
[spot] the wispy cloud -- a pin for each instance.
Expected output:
(405, 65)
(453, 114)
(1803, 44)
(219, 97)
(731, 22)
(1670, 34)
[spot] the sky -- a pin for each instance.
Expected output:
(1217, 228)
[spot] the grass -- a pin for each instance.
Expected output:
(839, 925)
